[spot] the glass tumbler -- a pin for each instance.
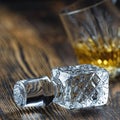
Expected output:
(93, 28)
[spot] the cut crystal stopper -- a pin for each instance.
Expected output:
(34, 92)
(72, 87)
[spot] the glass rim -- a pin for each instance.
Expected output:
(79, 10)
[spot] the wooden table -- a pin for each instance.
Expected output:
(31, 50)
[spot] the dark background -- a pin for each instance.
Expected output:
(46, 10)
(42, 9)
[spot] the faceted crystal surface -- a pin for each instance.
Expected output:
(35, 92)
(80, 86)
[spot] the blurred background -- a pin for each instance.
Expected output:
(41, 17)
(46, 10)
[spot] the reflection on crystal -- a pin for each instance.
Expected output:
(80, 86)
(34, 92)
(72, 87)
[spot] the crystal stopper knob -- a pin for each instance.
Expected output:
(72, 87)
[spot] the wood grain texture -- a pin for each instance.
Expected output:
(27, 51)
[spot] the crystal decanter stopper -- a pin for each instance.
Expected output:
(72, 87)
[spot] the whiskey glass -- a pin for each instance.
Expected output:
(93, 28)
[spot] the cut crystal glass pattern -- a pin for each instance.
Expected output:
(71, 87)
(80, 86)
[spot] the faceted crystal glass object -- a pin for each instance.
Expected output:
(33, 92)
(93, 28)
(80, 86)
(72, 87)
